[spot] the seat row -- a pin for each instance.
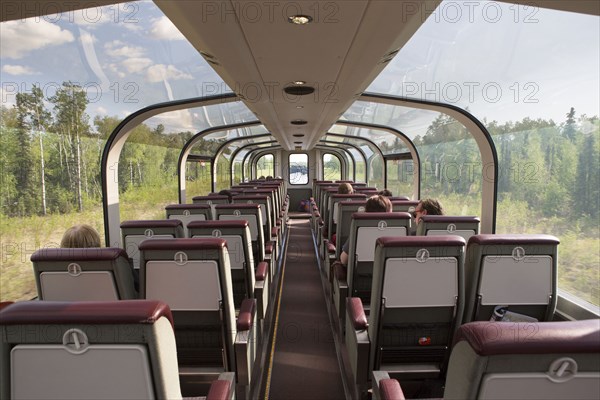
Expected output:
(94, 350)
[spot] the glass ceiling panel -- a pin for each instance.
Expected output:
(232, 147)
(387, 142)
(125, 56)
(503, 62)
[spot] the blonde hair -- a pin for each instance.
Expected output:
(79, 236)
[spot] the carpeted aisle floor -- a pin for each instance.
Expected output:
(304, 363)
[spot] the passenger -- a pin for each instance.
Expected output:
(427, 207)
(79, 236)
(269, 178)
(386, 193)
(377, 203)
(345, 188)
(227, 193)
(261, 178)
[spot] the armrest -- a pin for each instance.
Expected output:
(269, 247)
(246, 316)
(356, 312)
(275, 231)
(223, 390)
(340, 272)
(261, 271)
(390, 389)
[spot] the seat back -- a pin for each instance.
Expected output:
(365, 229)
(511, 360)
(265, 201)
(516, 271)
(193, 276)
(92, 274)
(342, 231)
(436, 225)
(135, 232)
(212, 201)
(239, 247)
(248, 212)
(417, 303)
(187, 213)
(88, 350)
(333, 208)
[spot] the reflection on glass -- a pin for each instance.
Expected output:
(298, 169)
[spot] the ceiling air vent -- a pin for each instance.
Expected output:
(388, 57)
(298, 122)
(298, 135)
(299, 90)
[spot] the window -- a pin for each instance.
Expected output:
(332, 167)
(298, 167)
(264, 166)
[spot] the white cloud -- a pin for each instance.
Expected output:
(136, 64)
(87, 39)
(21, 37)
(101, 111)
(160, 72)
(163, 28)
(93, 17)
(18, 70)
(176, 121)
(114, 50)
(114, 68)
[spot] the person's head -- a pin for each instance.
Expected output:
(227, 193)
(79, 236)
(261, 178)
(345, 188)
(427, 207)
(386, 193)
(378, 203)
(269, 178)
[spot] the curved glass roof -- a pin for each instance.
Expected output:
(501, 61)
(387, 142)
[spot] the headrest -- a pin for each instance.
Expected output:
(85, 312)
(250, 197)
(184, 244)
(493, 338)
(211, 197)
(187, 207)
(156, 223)
(237, 206)
(380, 215)
(487, 239)
(416, 241)
(350, 196)
(79, 254)
(447, 219)
(240, 223)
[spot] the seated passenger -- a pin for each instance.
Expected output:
(386, 193)
(80, 236)
(345, 188)
(427, 207)
(227, 193)
(377, 203)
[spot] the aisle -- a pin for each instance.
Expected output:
(304, 365)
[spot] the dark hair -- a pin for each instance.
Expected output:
(378, 203)
(386, 193)
(227, 193)
(345, 188)
(432, 206)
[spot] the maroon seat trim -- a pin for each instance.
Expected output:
(246, 316)
(399, 198)
(79, 254)
(187, 206)
(350, 196)
(449, 218)
(85, 312)
(269, 246)
(156, 223)
(340, 271)
(237, 206)
(275, 231)
(238, 223)
(261, 271)
(219, 390)
(184, 244)
(404, 202)
(4, 304)
(250, 197)
(213, 197)
(357, 313)
(390, 390)
(487, 239)
(330, 248)
(380, 215)
(413, 241)
(494, 338)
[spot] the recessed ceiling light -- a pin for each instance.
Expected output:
(297, 142)
(299, 107)
(298, 122)
(299, 82)
(299, 90)
(300, 19)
